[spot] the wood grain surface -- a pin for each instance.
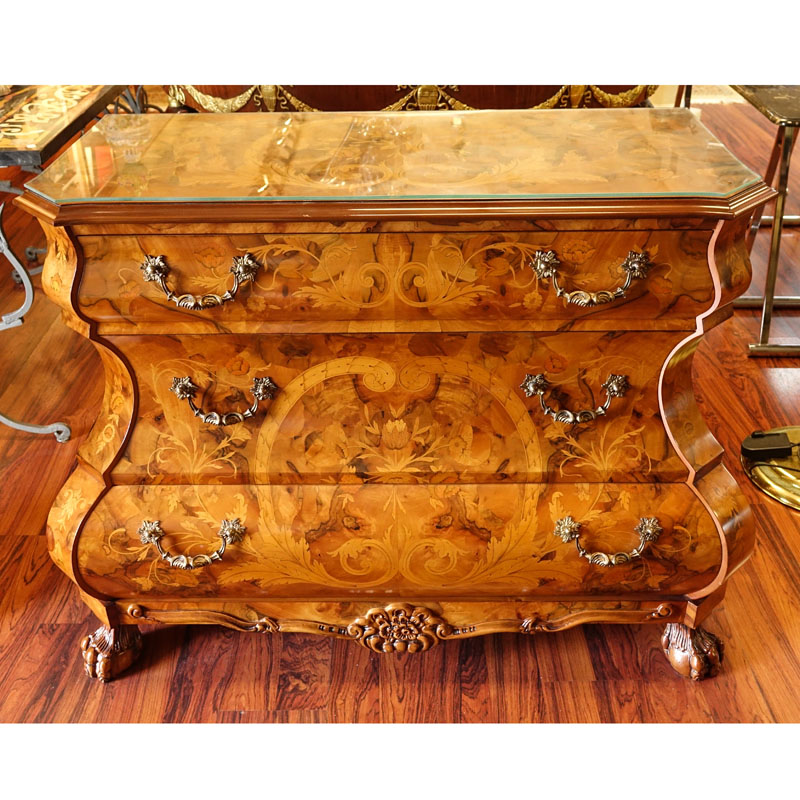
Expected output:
(394, 539)
(590, 673)
(363, 281)
(393, 408)
(325, 542)
(387, 541)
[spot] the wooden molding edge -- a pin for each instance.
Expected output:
(445, 620)
(444, 209)
(686, 428)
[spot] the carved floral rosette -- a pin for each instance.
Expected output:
(398, 628)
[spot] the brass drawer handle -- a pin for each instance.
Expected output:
(244, 269)
(648, 529)
(545, 264)
(262, 389)
(230, 531)
(615, 386)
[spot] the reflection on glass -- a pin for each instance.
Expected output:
(128, 134)
(30, 115)
(403, 155)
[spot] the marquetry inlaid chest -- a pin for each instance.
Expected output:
(398, 378)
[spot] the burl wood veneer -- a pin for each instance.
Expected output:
(398, 378)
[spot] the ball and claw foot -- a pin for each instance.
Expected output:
(109, 651)
(693, 652)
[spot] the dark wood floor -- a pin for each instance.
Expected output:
(596, 673)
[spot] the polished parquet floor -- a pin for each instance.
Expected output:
(594, 673)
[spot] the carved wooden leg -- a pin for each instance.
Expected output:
(109, 651)
(693, 652)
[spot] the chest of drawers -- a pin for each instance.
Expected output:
(399, 378)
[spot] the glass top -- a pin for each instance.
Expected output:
(780, 104)
(394, 156)
(31, 116)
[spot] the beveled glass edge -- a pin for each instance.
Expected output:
(456, 198)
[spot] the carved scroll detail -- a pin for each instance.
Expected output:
(532, 625)
(205, 617)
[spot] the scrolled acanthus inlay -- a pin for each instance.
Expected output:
(399, 628)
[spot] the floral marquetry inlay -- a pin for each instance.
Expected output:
(456, 401)
(400, 408)
(396, 276)
(399, 628)
(349, 540)
(451, 272)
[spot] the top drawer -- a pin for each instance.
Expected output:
(589, 280)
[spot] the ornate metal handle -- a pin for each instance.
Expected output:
(262, 389)
(615, 386)
(648, 529)
(244, 269)
(230, 531)
(545, 265)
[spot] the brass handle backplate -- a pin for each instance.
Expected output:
(649, 529)
(262, 389)
(230, 531)
(545, 264)
(615, 386)
(244, 269)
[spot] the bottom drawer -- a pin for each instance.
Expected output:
(399, 541)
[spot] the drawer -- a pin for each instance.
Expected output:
(399, 541)
(457, 281)
(408, 408)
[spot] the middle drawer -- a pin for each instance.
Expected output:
(398, 408)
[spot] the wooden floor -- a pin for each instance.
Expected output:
(595, 673)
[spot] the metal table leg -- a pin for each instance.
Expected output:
(759, 220)
(763, 347)
(60, 430)
(758, 214)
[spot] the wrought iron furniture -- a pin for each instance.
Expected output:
(469, 340)
(35, 122)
